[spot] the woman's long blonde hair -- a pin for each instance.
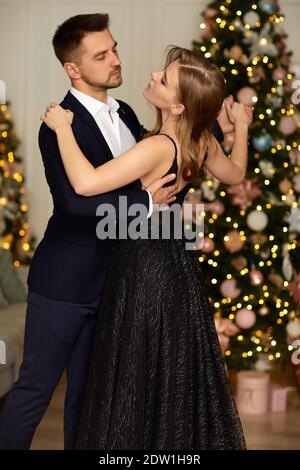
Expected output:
(201, 90)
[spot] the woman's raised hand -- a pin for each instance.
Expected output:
(240, 113)
(56, 117)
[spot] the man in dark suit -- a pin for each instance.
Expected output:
(68, 269)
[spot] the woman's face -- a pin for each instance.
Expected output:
(163, 86)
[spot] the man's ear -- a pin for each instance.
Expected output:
(72, 70)
(177, 109)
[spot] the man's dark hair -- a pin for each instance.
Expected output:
(68, 36)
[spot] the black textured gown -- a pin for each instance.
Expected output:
(157, 379)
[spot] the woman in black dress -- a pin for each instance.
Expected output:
(157, 377)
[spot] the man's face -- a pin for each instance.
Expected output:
(100, 66)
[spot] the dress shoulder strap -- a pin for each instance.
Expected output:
(167, 135)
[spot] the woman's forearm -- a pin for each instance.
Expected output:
(77, 167)
(239, 153)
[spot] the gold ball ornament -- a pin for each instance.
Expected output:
(233, 241)
(285, 185)
(263, 311)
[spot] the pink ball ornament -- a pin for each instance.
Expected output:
(235, 52)
(208, 245)
(279, 73)
(210, 12)
(228, 288)
(233, 242)
(209, 18)
(247, 96)
(216, 207)
(239, 263)
(256, 277)
(287, 125)
(245, 318)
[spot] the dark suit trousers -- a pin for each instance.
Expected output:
(58, 335)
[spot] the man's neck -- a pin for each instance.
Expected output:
(100, 95)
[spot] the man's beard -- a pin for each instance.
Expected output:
(102, 85)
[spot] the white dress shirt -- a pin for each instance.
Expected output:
(117, 135)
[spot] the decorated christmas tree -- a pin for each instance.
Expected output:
(15, 233)
(251, 249)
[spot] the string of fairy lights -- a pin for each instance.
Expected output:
(263, 341)
(7, 159)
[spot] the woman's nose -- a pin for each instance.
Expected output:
(154, 75)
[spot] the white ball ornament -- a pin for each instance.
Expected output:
(251, 18)
(257, 220)
(293, 329)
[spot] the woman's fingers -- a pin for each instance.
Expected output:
(230, 100)
(51, 105)
(228, 106)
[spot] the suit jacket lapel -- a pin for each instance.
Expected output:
(128, 122)
(71, 102)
